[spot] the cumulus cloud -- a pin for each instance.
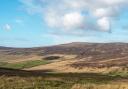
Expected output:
(104, 24)
(73, 14)
(105, 12)
(73, 20)
(7, 27)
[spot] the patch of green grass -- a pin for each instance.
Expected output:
(122, 72)
(25, 64)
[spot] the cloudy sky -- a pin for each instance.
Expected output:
(31, 23)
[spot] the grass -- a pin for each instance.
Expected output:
(123, 72)
(22, 65)
(3, 63)
(21, 79)
(32, 83)
(62, 81)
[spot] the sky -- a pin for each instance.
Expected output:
(34, 23)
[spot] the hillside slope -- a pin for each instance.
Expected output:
(77, 56)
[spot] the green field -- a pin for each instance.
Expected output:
(22, 65)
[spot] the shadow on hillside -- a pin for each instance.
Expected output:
(50, 73)
(22, 73)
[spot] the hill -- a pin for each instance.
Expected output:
(72, 57)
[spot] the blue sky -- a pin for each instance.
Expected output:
(32, 23)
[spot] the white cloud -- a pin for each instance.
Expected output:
(67, 21)
(100, 12)
(53, 19)
(104, 24)
(7, 27)
(105, 12)
(115, 2)
(73, 20)
(71, 14)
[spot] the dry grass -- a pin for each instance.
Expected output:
(64, 66)
(101, 86)
(20, 79)
(29, 58)
(62, 81)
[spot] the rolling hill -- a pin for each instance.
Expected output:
(72, 57)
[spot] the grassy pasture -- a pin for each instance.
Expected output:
(22, 65)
